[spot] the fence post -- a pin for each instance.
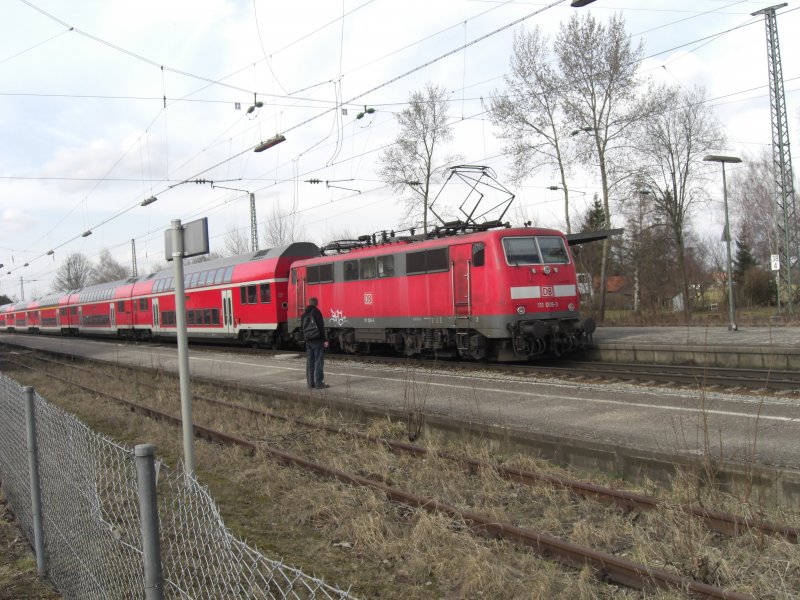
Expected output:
(148, 513)
(36, 493)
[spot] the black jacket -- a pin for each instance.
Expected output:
(318, 319)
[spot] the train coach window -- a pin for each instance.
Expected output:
(219, 275)
(215, 316)
(265, 293)
(366, 268)
(73, 310)
(228, 275)
(350, 270)
(478, 254)
(521, 251)
(190, 317)
(248, 294)
(206, 316)
(121, 306)
(385, 266)
(142, 303)
(195, 278)
(553, 250)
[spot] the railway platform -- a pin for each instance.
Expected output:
(748, 347)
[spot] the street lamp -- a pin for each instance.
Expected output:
(722, 159)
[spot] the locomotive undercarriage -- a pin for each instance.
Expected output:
(530, 339)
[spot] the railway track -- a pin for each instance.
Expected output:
(697, 377)
(683, 376)
(608, 566)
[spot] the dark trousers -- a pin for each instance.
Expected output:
(315, 363)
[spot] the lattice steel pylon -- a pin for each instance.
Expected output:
(786, 217)
(253, 223)
(134, 270)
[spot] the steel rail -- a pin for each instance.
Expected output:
(717, 521)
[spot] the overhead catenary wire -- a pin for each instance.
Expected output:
(340, 105)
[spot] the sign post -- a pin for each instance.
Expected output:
(775, 263)
(182, 241)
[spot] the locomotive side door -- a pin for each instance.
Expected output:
(227, 311)
(461, 259)
(299, 278)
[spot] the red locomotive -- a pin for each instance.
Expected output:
(502, 294)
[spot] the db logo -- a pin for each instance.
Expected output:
(547, 291)
(368, 298)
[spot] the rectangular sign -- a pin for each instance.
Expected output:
(194, 236)
(775, 261)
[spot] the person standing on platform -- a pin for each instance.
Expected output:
(313, 327)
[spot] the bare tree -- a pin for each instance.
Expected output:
(108, 269)
(73, 273)
(671, 147)
(409, 164)
(201, 258)
(599, 66)
(751, 192)
(236, 242)
(530, 112)
(282, 226)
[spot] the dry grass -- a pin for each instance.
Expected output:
(354, 535)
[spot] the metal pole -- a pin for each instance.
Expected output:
(732, 321)
(36, 496)
(183, 347)
(148, 513)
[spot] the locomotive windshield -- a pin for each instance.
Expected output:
(535, 250)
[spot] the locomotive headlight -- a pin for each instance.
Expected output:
(520, 310)
(547, 270)
(571, 307)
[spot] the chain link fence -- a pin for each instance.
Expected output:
(91, 527)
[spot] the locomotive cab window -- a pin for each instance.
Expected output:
(521, 251)
(553, 250)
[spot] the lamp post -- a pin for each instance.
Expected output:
(722, 159)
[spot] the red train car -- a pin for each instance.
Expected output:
(241, 297)
(503, 294)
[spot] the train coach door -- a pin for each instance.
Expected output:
(227, 311)
(461, 257)
(156, 326)
(113, 315)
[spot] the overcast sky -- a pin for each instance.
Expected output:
(85, 136)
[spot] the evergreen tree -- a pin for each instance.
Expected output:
(743, 261)
(595, 217)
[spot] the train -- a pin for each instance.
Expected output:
(496, 294)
